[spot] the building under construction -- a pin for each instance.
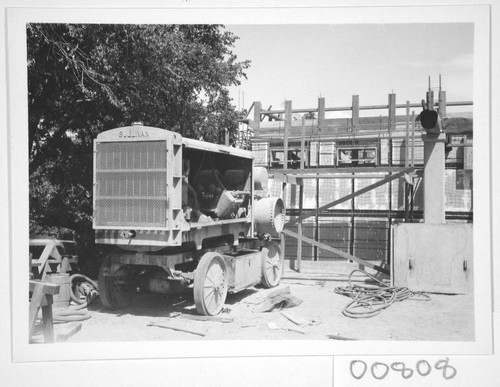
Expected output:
(360, 175)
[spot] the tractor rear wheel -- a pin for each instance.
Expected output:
(115, 285)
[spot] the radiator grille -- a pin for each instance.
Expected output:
(131, 184)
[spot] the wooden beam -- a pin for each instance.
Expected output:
(442, 103)
(298, 264)
(284, 191)
(430, 99)
(303, 143)
(335, 251)
(271, 115)
(256, 114)
(321, 112)
(288, 125)
(413, 138)
(290, 179)
(355, 111)
(392, 112)
(407, 134)
(367, 107)
(334, 171)
(352, 195)
(45, 287)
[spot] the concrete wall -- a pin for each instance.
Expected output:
(433, 257)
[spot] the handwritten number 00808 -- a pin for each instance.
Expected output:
(380, 370)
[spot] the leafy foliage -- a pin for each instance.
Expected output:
(83, 79)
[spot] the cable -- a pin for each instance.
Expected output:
(371, 300)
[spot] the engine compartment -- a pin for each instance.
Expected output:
(215, 186)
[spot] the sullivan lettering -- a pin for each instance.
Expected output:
(133, 133)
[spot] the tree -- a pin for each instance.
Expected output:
(83, 79)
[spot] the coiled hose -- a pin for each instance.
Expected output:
(78, 312)
(369, 301)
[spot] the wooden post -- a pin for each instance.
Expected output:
(288, 125)
(407, 139)
(407, 161)
(430, 100)
(299, 229)
(321, 113)
(282, 237)
(316, 218)
(303, 143)
(355, 112)
(413, 138)
(353, 222)
(256, 114)
(442, 103)
(392, 112)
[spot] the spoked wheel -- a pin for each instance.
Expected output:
(272, 264)
(210, 284)
(115, 286)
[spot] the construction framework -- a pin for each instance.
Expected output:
(354, 127)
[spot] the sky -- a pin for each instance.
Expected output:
(303, 62)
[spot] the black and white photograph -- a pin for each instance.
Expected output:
(228, 183)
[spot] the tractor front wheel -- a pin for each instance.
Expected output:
(210, 284)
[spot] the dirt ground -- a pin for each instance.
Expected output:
(442, 318)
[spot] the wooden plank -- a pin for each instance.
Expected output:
(220, 319)
(335, 251)
(174, 328)
(64, 331)
(352, 195)
(45, 287)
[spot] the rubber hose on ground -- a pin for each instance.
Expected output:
(86, 279)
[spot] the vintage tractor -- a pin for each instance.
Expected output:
(182, 213)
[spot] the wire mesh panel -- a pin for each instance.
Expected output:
(370, 239)
(375, 199)
(308, 229)
(261, 154)
(131, 181)
(334, 232)
(458, 190)
(334, 189)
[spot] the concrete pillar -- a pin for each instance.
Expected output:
(434, 178)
